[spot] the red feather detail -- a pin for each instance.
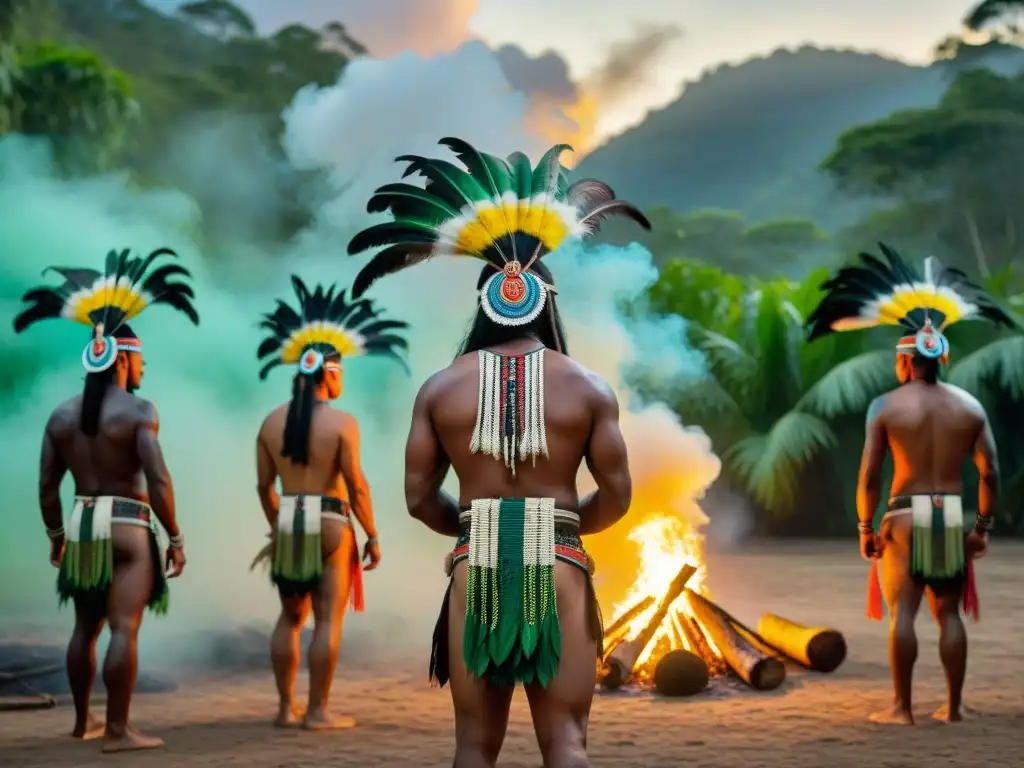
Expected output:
(971, 605)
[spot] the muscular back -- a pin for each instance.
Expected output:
(109, 463)
(931, 429)
(572, 395)
(323, 475)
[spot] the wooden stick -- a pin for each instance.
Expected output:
(631, 613)
(757, 669)
(619, 664)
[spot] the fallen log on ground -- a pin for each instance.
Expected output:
(817, 648)
(757, 669)
(619, 664)
(680, 673)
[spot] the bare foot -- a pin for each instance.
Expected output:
(324, 721)
(895, 715)
(289, 716)
(93, 729)
(943, 714)
(131, 740)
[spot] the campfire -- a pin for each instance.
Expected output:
(667, 633)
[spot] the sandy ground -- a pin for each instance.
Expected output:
(813, 720)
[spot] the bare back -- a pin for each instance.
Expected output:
(570, 395)
(323, 476)
(931, 429)
(108, 464)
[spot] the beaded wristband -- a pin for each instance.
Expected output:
(55, 533)
(984, 523)
(372, 541)
(865, 528)
(177, 542)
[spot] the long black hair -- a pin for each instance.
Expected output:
(95, 390)
(299, 420)
(546, 328)
(925, 369)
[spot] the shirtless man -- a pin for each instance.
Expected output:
(514, 417)
(930, 429)
(314, 451)
(109, 556)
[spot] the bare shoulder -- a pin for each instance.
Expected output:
(274, 419)
(348, 425)
(64, 416)
(438, 383)
(966, 400)
(878, 407)
(584, 382)
(145, 411)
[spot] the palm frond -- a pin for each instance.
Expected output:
(770, 465)
(851, 386)
(733, 365)
(1000, 362)
(706, 400)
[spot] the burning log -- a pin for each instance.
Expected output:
(619, 664)
(680, 673)
(631, 613)
(757, 669)
(822, 650)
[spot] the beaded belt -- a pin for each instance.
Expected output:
(568, 546)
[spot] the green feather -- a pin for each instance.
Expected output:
(522, 174)
(391, 232)
(492, 172)
(408, 202)
(446, 181)
(548, 171)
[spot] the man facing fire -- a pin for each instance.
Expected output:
(514, 416)
(930, 429)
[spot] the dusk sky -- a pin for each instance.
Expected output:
(708, 31)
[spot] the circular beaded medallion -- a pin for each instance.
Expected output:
(100, 354)
(513, 299)
(931, 344)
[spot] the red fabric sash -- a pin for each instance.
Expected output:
(356, 576)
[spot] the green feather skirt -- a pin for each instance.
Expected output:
(87, 570)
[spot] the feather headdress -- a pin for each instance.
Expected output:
(502, 211)
(326, 322)
(106, 300)
(890, 292)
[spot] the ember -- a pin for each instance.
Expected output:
(668, 633)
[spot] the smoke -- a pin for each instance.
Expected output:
(204, 380)
(629, 62)
(558, 110)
